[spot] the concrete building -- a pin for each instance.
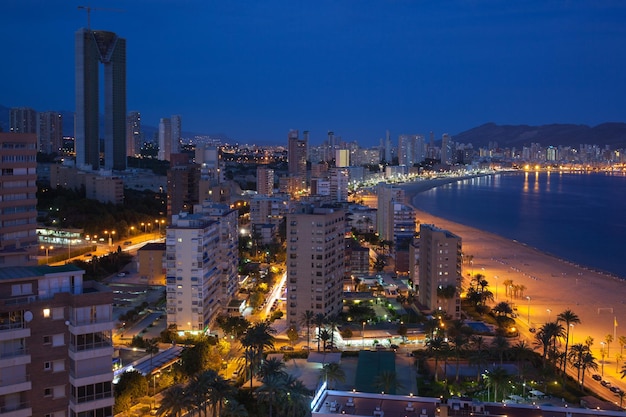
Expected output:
(264, 181)
(339, 180)
(228, 247)
(50, 132)
(267, 210)
(18, 200)
(22, 120)
(133, 134)
(93, 47)
(102, 185)
(357, 258)
(182, 188)
(55, 332)
(151, 260)
(440, 267)
(315, 261)
(192, 278)
(402, 222)
(165, 139)
(387, 195)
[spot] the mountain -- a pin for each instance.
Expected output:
(508, 136)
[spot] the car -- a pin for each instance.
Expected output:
(121, 274)
(605, 383)
(128, 242)
(286, 347)
(305, 347)
(394, 347)
(532, 330)
(87, 255)
(597, 377)
(616, 390)
(235, 374)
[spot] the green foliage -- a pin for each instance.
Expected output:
(132, 384)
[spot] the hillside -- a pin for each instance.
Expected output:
(611, 134)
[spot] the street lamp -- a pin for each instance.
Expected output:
(571, 325)
(602, 353)
(111, 234)
(363, 335)
(47, 248)
(549, 312)
(528, 298)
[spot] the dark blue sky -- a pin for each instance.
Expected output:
(255, 69)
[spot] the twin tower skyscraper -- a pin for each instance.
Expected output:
(92, 48)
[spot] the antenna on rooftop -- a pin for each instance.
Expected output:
(88, 9)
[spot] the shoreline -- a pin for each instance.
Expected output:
(546, 285)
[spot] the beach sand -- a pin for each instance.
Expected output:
(553, 285)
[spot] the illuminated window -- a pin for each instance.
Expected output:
(46, 312)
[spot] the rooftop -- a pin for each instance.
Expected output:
(17, 272)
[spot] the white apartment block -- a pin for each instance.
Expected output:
(267, 210)
(315, 261)
(193, 281)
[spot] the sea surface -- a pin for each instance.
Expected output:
(576, 217)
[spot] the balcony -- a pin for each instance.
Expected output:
(14, 357)
(13, 331)
(12, 385)
(91, 325)
(22, 409)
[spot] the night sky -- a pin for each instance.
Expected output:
(255, 69)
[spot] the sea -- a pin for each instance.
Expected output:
(579, 217)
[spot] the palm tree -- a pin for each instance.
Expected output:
(458, 343)
(479, 359)
(435, 347)
(332, 321)
(622, 342)
(543, 340)
(332, 372)
(588, 362)
(568, 317)
(272, 386)
(234, 409)
(272, 366)
(152, 347)
(325, 336)
(575, 357)
(219, 390)
(258, 337)
(497, 377)
(305, 320)
(502, 309)
(500, 344)
(521, 352)
(608, 339)
(319, 320)
(295, 400)
(198, 389)
(387, 381)
(174, 402)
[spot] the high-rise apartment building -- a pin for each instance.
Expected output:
(387, 195)
(133, 133)
(169, 137)
(18, 200)
(228, 247)
(55, 333)
(193, 282)
(315, 261)
(50, 132)
(22, 120)
(297, 152)
(339, 181)
(94, 47)
(440, 267)
(182, 189)
(411, 149)
(264, 180)
(446, 152)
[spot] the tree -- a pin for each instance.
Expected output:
(502, 309)
(588, 362)
(271, 388)
(500, 344)
(569, 318)
(497, 378)
(233, 325)
(319, 320)
(622, 341)
(575, 357)
(257, 338)
(174, 402)
(521, 352)
(608, 339)
(133, 384)
(331, 373)
(152, 347)
(436, 346)
(387, 382)
(332, 321)
(271, 367)
(292, 335)
(305, 320)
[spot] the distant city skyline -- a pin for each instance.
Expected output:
(253, 71)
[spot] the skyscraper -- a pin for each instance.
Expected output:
(169, 137)
(297, 149)
(22, 120)
(50, 132)
(264, 180)
(133, 133)
(92, 48)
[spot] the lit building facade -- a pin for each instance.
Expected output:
(193, 283)
(315, 261)
(265, 181)
(439, 267)
(18, 199)
(55, 333)
(133, 134)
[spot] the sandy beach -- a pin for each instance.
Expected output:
(552, 284)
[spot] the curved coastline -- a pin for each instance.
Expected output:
(551, 283)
